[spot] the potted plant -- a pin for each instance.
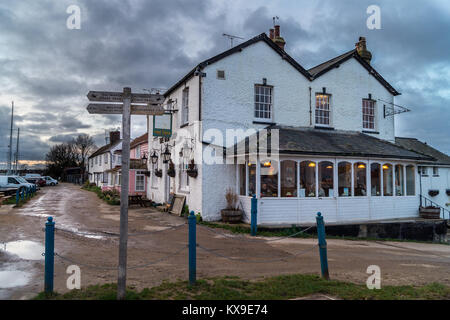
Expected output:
(232, 213)
(433, 193)
(158, 173)
(192, 169)
(171, 170)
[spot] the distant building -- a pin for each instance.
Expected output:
(104, 159)
(434, 177)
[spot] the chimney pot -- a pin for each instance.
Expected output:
(361, 48)
(114, 136)
(271, 36)
(277, 31)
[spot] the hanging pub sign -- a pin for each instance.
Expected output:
(162, 125)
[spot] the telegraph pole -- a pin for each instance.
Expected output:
(17, 152)
(10, 138)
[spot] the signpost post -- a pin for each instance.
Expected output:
(122, 105)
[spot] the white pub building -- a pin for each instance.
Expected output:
(337, 152)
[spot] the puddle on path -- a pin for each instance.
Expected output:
(76, 231)
(25, 249)
(13, 278)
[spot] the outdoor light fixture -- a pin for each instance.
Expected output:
(385, 166)
(329, 167)
(144, 158)
(311, 164)
(267, 164)
(166, 155)
(361, 166)
(154, 157)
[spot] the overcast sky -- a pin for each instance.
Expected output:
(47, 69)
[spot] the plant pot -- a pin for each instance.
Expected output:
(192, 173)
(171, 173)
(430, 212)
(158, 173)
(231, 216)
(433, 193)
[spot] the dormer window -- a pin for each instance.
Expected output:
(323, 109)
(368, 114)
(263, 102)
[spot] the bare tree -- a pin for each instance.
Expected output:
(71, 154)
(83, 146)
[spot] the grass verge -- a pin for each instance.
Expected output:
(273, 288)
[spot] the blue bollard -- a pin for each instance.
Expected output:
(254, 213)
(23, 194)
(322, 246)
(49, 254)
(192, 248)
(17, 197)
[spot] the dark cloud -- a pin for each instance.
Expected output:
(146, 44)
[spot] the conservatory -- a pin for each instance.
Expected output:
(291, 187)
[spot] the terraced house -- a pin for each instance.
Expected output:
(337, 149)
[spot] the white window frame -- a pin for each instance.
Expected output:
(318, 108)
(435, 171)
(264, 102)
(367, 105)
(185, 106)
(138, 152)
(139, 174)
(184, 178)
(423, 171)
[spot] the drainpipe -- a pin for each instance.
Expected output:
(420, 183)
(310, 108)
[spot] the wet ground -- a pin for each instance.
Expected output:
(87, 235)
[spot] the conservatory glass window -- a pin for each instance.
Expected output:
(288, 178)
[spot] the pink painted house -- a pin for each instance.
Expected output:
(138, 169)
(138, 179)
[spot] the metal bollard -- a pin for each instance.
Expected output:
(49, 254)
(254, 213)
(192, 248)
(22, 196)
(17, 197)
(322, 246)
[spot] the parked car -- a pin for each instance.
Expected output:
(14, 182)
(49, 181)
(40, 182)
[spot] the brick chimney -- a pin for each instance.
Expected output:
(114, 136)
(271, 36)
(277, 38)
(361, 48)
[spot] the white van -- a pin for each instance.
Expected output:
(14, 182)
(32, 175)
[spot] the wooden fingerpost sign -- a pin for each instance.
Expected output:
(121, 103)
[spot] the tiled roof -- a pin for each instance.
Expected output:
(104, 149)
(139, 140)
(311, 141)
(423, 148)
(326, 66)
